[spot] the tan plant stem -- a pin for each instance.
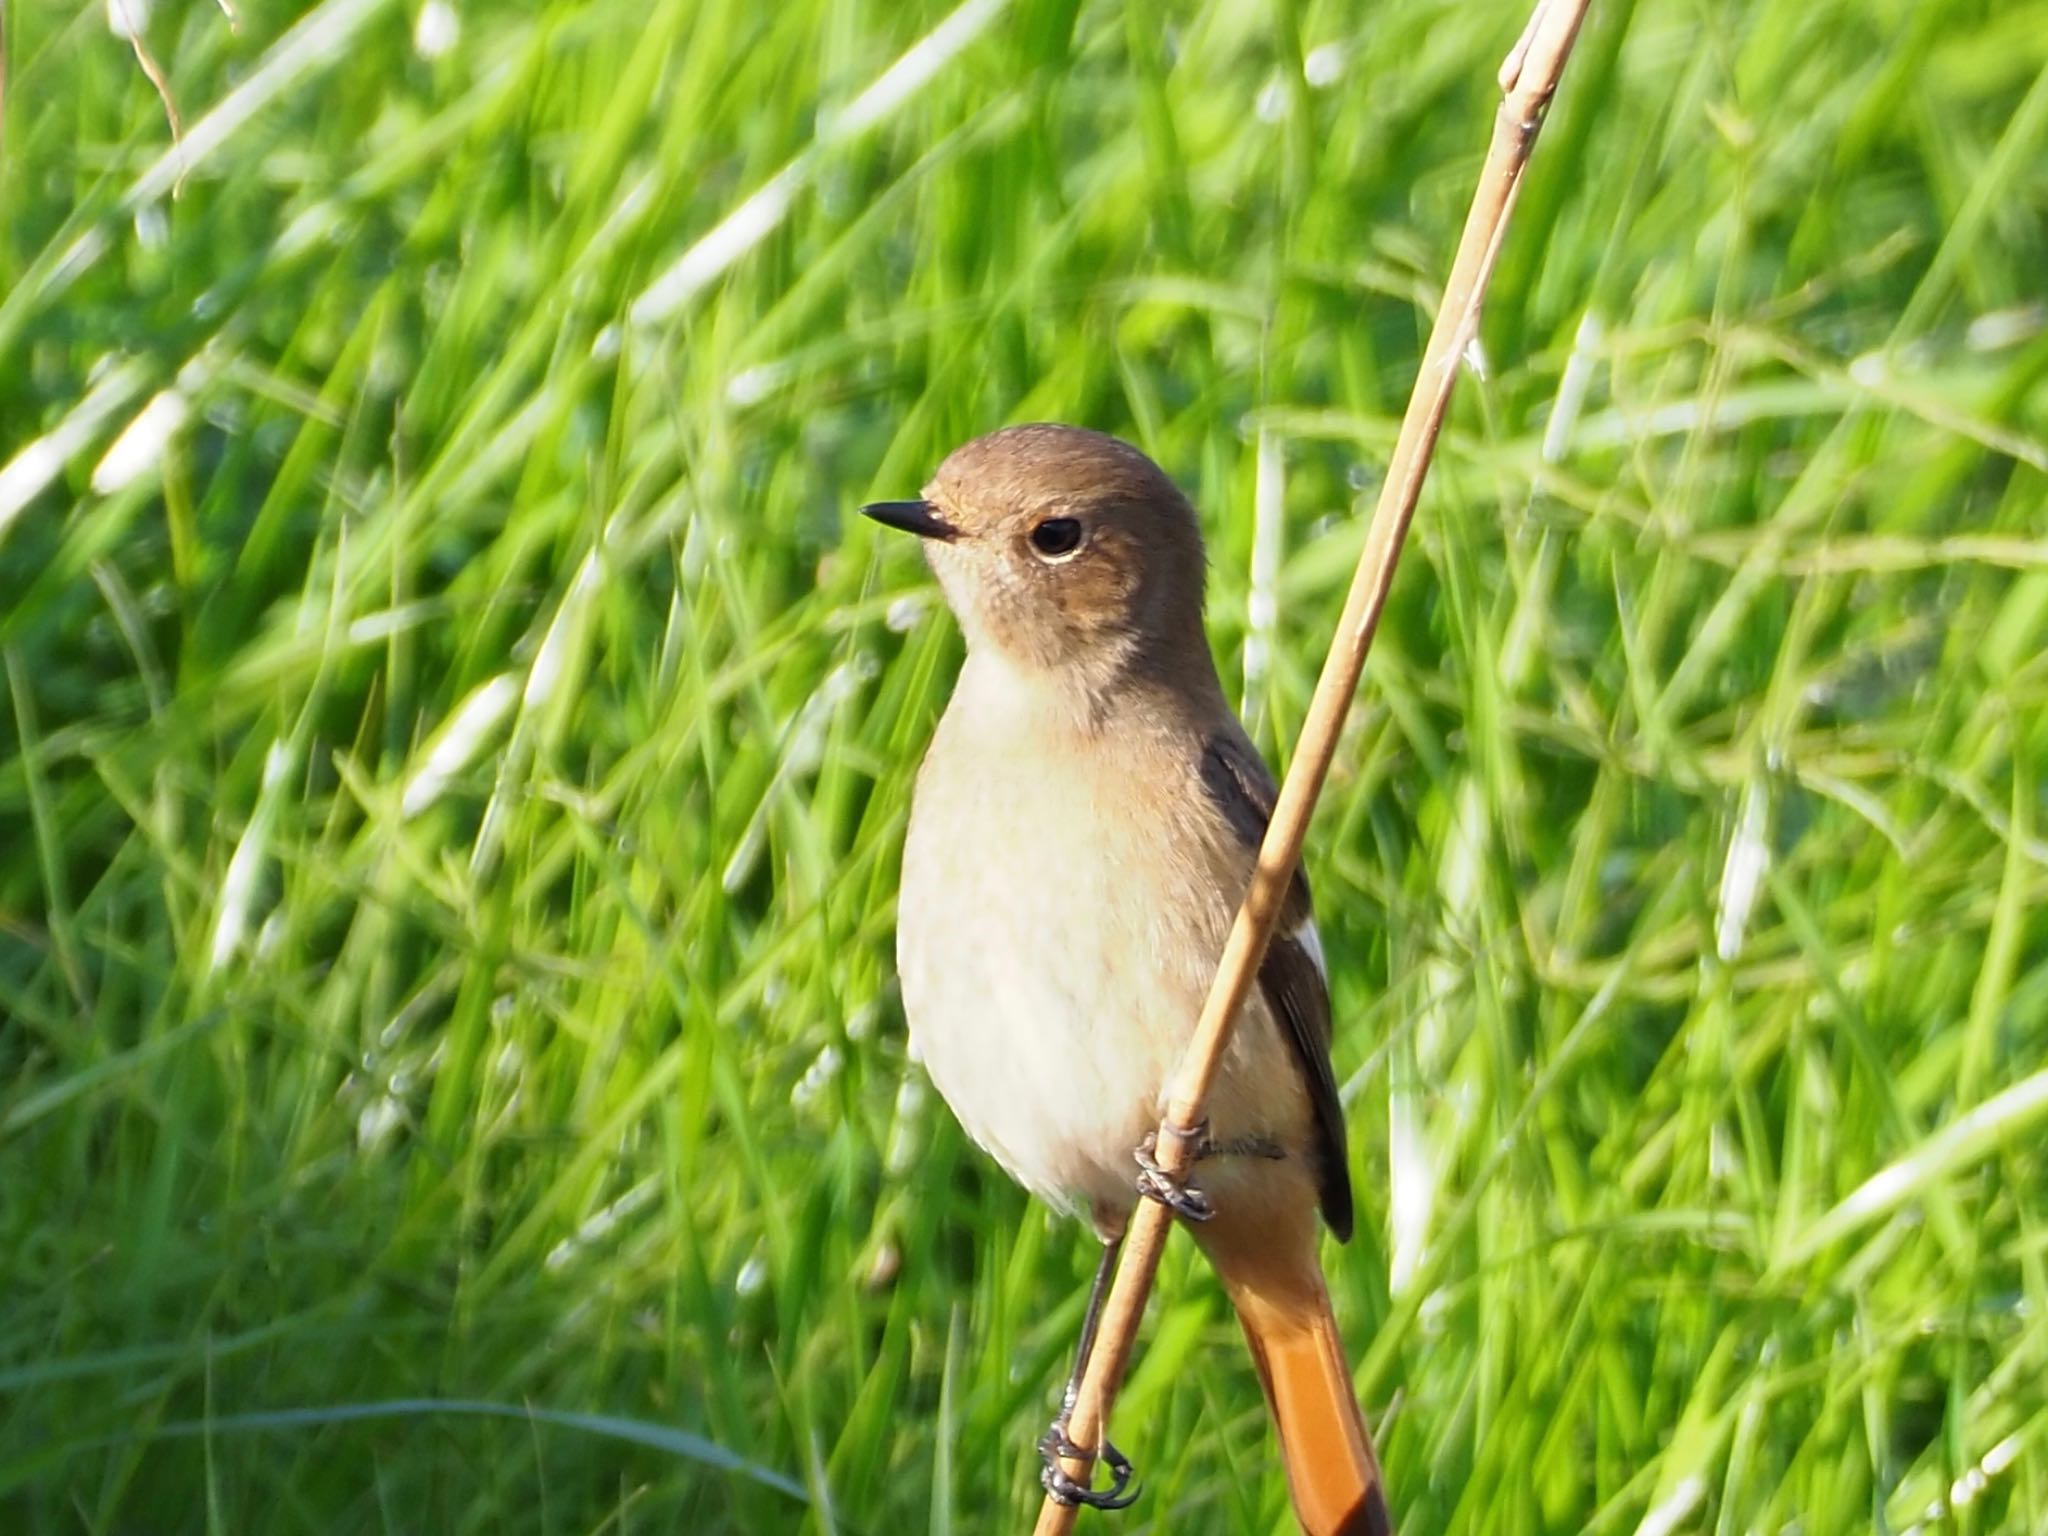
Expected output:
(1528, 78)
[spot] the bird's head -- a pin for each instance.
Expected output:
(1062, 550)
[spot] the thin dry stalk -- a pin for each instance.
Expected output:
(128, 19)
(1528, 79)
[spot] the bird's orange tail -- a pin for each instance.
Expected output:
(1284, 1306)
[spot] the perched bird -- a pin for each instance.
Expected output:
(1082, 832)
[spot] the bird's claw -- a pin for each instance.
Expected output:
(1056, 1449)
(1155, 1183)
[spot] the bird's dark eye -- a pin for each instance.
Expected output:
(1056, 536)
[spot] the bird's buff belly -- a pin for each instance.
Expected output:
(1054, 1059)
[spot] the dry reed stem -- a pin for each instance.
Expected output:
(1528, 78)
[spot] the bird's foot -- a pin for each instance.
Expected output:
(1171, 1191)
(1056, 1450)
(1264, 1148)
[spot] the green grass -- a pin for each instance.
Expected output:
(450, 1074)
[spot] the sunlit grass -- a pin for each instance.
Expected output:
(456, 745)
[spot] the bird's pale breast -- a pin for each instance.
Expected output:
(1063, 905)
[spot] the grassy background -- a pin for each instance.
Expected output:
(455, 749)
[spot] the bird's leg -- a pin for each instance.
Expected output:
(1171, 1191)
(1054, 1446)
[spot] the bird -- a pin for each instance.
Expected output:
(1082, 829)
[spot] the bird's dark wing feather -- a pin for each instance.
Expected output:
(1291, 977)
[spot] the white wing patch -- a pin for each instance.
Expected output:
(1306, 936)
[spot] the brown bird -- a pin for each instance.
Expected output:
(1083, 830)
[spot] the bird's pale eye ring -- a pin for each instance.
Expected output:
(1056, 538)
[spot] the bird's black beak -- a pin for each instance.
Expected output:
(918, 517)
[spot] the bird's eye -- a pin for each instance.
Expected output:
(1056, 536)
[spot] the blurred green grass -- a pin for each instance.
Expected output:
(456, 746)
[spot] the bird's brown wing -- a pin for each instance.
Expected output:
(1291, 976)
